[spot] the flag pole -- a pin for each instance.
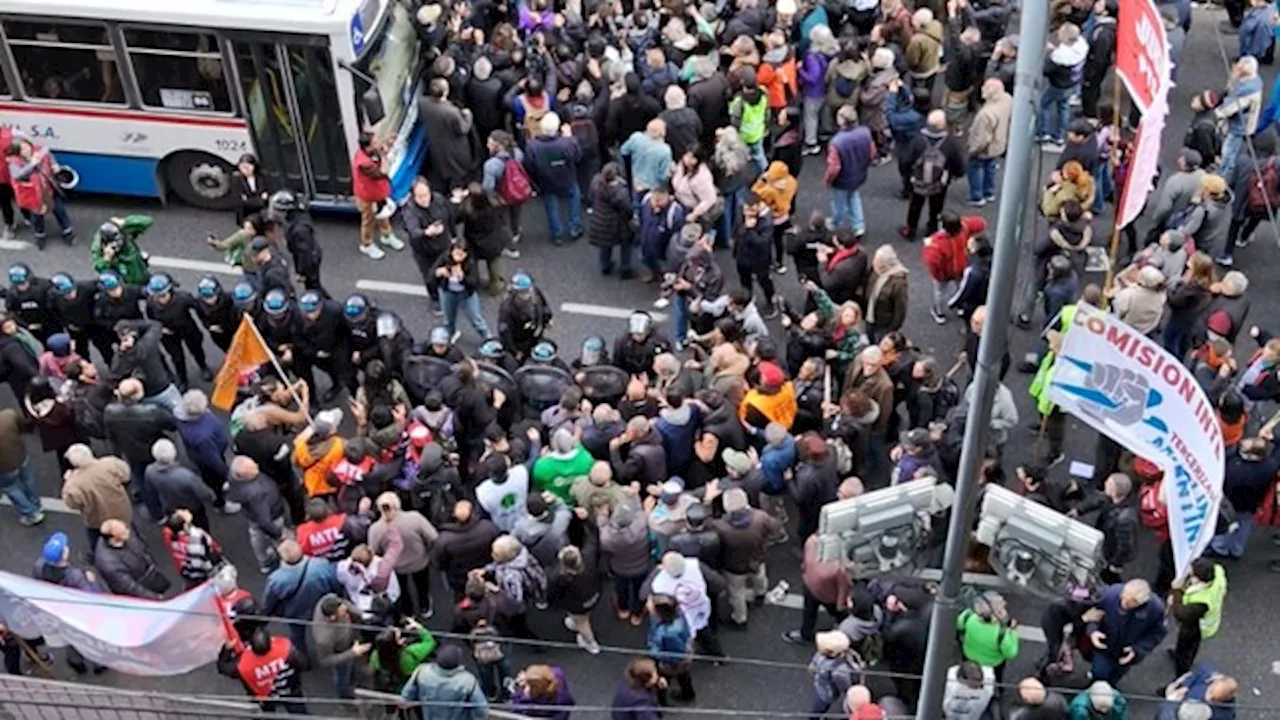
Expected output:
(1114, 160)
(275, 362)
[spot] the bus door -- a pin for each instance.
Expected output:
(291, 103)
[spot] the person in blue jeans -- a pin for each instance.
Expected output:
(699, 278)
(552, 159)
(849, 156)
(987, 140)
(20, 487)
(459, 280)
(1250, 469)
(1063, 68)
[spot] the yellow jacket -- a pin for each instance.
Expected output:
(776, 189)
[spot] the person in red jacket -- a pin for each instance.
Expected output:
(372, 188)
(271, 670)
(7, 197)
(944, 255)
(31, 169)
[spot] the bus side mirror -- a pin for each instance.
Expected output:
(371, 102)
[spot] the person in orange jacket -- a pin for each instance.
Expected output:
(776, 188)
(317, 449)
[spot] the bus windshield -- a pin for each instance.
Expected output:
(393, 63)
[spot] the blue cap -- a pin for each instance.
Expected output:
(19, 274)
(243, 292)
(276, 302)
(55, 547)
(62, 283)
(491, 349)
(544, 351)
(355, 306)
(108, 280)
(159, 284)
(208, 287)
(521, 281)
(309, 301)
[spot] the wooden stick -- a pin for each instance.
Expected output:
(1119, 194)
(275, 362)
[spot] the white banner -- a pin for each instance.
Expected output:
(1130, 389)
(133, 636)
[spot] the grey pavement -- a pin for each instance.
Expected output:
(587, 303)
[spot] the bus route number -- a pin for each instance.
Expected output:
(231, 145)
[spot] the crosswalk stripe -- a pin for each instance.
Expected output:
(795, 601)
(14, 245)
(49, 504)
(200, 266)
(393, 287)
(605, 311)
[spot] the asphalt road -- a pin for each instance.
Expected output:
(769, 678)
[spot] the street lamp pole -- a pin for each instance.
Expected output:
(1032, 33)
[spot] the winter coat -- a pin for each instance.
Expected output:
(419, 538)
(710, 99)
(631, 703)
(961, 702)
(545, 538)
(753, 246)
(946, 256)
(206, 441)
(134, 427)
(144, 360)
(129, 569)
(292, 591)
(844, 275)
(452, 694)
(988, 135)
(684, 128)
(924, 52)
(742, 539)
(950, 146)
(1082, 709)
(486, 228)
(1255, 31)
(18, 364)
(610, 221)
(1142, 628)
(1245, 481)
(1209, 221)
(678, 430)
(260, 501)
(1102, 51)
(450, 131)
(973, 284)
(1241, 106)
(464, 546)
(178, 488)
(553, 163)
(625, 545)
(813, 73)
(777, 190)
(887, 309)
(843, 80)
(1174, 195)
(560, 703)
(645, 461)
(814, 486)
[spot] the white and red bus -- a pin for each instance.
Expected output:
(150, 98)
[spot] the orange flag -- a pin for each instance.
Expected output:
(246, 353)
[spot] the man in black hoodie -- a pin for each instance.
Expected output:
(463, 545)
(709, 97)
(935, 158)
(630, 113)
(977, 276)
(906, 637)
(1102, 55)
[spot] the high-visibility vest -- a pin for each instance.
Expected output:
(1211, 596)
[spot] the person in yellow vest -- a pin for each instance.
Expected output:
(772, 400)
(1052, 420)
(1196, 605)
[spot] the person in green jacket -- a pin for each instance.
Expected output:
(749, 113)
(1099, 702)
(567, 461)
(396, 654)
(115, 247)
(988, 636)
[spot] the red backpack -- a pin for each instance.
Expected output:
(514, 188)
(1264, 188)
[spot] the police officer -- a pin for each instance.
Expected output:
(114, 302)
(493, 352)
(362, 325)
(73, 301)
(245, 299)
(27, 300)
(280, 329)
(440, 346)
(523, 316)
(300, 238)
(271, 273)
(324, 341)
(635, 351)
(217, 312)
(594, 352)
(546, 353)
(175, 310)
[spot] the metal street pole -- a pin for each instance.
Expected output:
(1032, 32)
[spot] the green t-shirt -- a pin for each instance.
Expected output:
(986, 643)
(555, 474)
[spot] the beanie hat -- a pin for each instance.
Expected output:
(449, 657)
(771, 375)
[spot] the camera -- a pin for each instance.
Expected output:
(1036, 548)
(878, 532)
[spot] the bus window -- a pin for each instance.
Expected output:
(178, 70)
(65, 61)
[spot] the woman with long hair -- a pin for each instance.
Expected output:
(695, 188)
(1188, 301)
(542, 691)
(610, 223)
(487, 228)
(636, 697)
(734, 172)
(397, 653)
(458, 278)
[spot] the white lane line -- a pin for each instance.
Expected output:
(200, 266)
(14, 245)
(604, 311)
(392, 287)
(50, 504)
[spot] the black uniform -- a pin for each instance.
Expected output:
(636, 358)
(325, 342)
(177, 319)
(107, 311)
(300, 237)
(272, 275)
(220, 317)
(76, 311)
(30, 307)
(522, 321)
(281, 333)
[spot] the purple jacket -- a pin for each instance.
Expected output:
(563, 700)
(813, 75)
(634, 704)
(849, 155)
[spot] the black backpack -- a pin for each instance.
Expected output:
(929, 174)
(435, 495)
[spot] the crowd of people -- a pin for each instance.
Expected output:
(654, 470)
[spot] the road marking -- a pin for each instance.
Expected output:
(14, 245)
(417, 290)
(49, 504)
(200, 266)
(1029, 633)
(604, 311)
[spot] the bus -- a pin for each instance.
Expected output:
(149, 98)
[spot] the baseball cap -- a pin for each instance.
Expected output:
(55, 547)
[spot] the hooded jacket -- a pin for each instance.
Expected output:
(609, 223)
(624, 541)
(742, 537)
(924, 52)
(545, 537)
(777, 190)
(464, 546)
(678, 428)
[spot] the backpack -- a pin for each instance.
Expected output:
(929, 174)
(848, 673)
(515, 187)
(844, 87)
(843, 455)
(485, 645)
(1264, 188)
(435, 495)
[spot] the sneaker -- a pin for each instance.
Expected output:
(31, 520)
(990, 198)
(906, 233)
(1244, 242)
(679, 345)
(661, 303)
(592, 648)
(1057, 460)
(779, 269)
(541, 604)
(456, 334)
(372, 251)
(392, 242)
(1052, 146)
(940, 319)
(980, 202)
(793, 637)
(1225, 261)
(6, 233)
(772, 313)
(436, 310)
(511, 253)
(230, 508)
(1022, 321)
(812, 150)
(571, 626)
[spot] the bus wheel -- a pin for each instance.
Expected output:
(201, 180)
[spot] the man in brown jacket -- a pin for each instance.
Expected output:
(97, 489)
(743, 531)
(867, 373)
(988, 139)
